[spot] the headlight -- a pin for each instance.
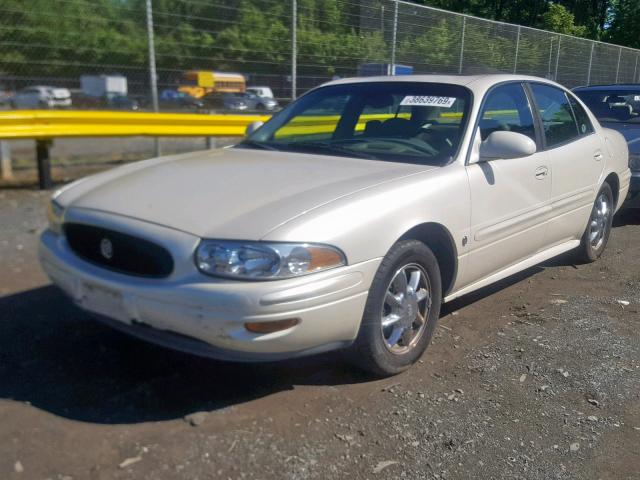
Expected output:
(634, 161)
(262, 261)
(55, 213)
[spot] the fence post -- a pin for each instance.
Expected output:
(618, 67)
(550, 55)
(555, 76)
(294, 49)
(515, 63)
(394, 37)
(153, 79)
(464, 27)
(590, 63)
(6, 173)
(44, 163)
(635, 69)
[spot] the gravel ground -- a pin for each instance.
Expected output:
(535, 378)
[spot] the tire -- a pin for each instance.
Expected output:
(374, 349)
(596, 235)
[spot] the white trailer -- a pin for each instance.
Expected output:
(103, 85)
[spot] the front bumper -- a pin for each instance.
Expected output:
(191, 312)
(59, 102)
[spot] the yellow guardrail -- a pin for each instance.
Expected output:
(48, 124)
(45, 125)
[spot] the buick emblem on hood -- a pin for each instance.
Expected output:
(106, 248)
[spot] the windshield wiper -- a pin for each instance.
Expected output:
(330, 147)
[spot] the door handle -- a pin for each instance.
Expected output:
(541, 172)
(598, 156)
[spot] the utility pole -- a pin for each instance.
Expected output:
(294, 49)
(464, 27)
(394, 38)
(153, 78)
(593, 44)
(515, 62)
(555, 77)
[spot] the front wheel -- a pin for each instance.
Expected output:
(402, 310)
(595, 237)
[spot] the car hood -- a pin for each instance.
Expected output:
(630, 131)
(230, 193)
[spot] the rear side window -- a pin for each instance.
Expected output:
(507, 108)
(557, 116)
(584, 124)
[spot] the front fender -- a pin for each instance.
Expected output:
(366, 224)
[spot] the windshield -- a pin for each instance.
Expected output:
(613, 105)
(393, 121)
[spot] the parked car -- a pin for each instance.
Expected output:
(618, 107)
(344, 230)
(224, 101)
(254, 102)
(262, 92)
(174, 100)
(41, 97)
(113, 102)
(5, 97)
(122, 102)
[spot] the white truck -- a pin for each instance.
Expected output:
(103, 85)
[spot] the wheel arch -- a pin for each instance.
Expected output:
(438, 238)
(614, 182)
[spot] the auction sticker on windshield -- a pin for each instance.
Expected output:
(428, 101)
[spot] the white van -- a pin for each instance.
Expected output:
(262, 92)
(41, 97)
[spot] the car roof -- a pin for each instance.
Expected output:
(614, 86)
(476, 83)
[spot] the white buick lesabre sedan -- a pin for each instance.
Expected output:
(344, 221)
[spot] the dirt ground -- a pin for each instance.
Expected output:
(535, 378)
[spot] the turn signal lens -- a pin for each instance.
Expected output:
(271, 327)
(55, 215)
(322, 258)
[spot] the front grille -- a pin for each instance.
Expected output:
(118, 251)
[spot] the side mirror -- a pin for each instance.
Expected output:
(252, 127)
(505, 145)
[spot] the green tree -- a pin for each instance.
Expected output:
(625, 23)
(435, 50)
(559, 19)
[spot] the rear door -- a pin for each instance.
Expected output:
(576, 156)
(509, 198)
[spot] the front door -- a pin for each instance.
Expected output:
(509, 197)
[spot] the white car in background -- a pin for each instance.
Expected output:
(41, 97)
(344, 221)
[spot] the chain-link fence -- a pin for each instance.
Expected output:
(286, 45)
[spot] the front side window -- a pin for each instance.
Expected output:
(557, 116)
(507, 109)
(392, 121)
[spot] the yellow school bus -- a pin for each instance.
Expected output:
(198, 83)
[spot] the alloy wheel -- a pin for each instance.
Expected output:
(405, 309)
(599, 222)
